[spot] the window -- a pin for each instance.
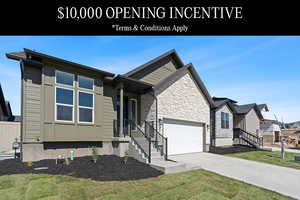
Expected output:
(64, 78)
(224, 120)
(64, 104)
(85, 83)
(85, 107)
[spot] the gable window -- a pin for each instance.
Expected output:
(64, 104)
(85, 83)
(85, 107)
(64, 78)
(224, 120)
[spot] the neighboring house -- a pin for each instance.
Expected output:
(235, 124)
(68, 106)
(247, 117)
(222, 123)
(5, 109)
(269, 128)
(9, 129)
(294, 124)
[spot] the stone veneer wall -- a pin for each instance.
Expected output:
(148, 108)
(183, 100)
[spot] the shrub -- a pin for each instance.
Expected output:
(125, 156)
(29, 163)
(94, 153)
(67, 161)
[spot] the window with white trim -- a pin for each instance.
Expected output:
(85, 83)
(85, 100)
(64, 104)
(64, 78)
(224, 120)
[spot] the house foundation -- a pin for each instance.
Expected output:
(41, 151)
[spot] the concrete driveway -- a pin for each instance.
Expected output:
(280, 179)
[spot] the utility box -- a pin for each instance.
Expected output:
(297, 158)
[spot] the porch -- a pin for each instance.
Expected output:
(134, 103)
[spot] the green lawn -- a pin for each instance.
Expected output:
(270, 157)
(192, 185)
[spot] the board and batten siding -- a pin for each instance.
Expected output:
(39, 125)
(31, 104)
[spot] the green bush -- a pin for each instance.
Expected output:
(94, 153)
(29, 163)
(125, 156)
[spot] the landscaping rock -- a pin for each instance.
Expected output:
(107, 168)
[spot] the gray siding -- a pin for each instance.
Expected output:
(157, 72)
(252, 122)
(221, 132)
(110, 112)
(65, 131)
(160, 74)
(38, 110)
(32, 104)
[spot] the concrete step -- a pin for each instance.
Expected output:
(168, 166)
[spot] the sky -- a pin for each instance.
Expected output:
(260, 69)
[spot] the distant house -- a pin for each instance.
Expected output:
(235, 124)
(269, 128)
(5, 109)
(223, 121)
(9, 127)
(248, 117)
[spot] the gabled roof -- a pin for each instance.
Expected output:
(263, 106)
(3, 102)
(244, 109)
(162, 85)
(171, 53)
(219, 102)
(8, 108)
(27, 54)
(223, 98)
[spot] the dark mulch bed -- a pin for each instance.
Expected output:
(107, 168)
(232, 149)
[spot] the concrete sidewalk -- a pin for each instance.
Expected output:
(279, 179)
(285, 149)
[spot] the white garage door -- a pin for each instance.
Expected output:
(183, 137)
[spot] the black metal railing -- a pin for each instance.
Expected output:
(160, 142)
(140, 139)
(245, 137)
(131, 129)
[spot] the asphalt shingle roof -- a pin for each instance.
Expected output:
(243, 109)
